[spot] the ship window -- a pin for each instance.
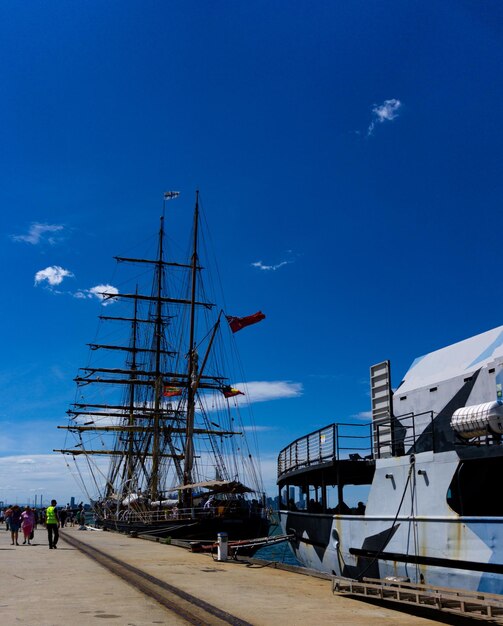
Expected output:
(433, 389)
(471, 491)
(492, 370)
(403, 398)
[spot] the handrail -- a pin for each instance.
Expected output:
(406, 442)
(175, 514)
(324, 446)
(342, 440)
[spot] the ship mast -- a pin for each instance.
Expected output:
(154, 484)
(127, 465)
(129, 469)
(192, 373)
(148, 430)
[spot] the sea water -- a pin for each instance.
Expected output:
(280, 552)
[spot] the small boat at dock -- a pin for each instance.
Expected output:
(240, 547)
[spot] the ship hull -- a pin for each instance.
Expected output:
(193, 530)
(430, 544)
(458, 552)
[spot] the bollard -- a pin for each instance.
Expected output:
(222, 549)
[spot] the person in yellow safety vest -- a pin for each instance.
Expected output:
(52, 524)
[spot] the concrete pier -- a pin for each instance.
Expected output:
(65, 586)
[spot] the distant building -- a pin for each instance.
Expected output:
(72, 502)
(273, 503)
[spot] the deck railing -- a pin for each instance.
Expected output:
(400, 434)
(167, 514)
(388, 437)
(175, 514)
(332, 442)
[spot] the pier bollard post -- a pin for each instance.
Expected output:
(223, 545)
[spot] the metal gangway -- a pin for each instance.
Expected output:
(474, 604)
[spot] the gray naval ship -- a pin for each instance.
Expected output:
(431, 460)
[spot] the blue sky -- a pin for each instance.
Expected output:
(349, 161)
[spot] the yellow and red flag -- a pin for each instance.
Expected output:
(230, 392)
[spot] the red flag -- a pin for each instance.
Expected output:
(237, 323)
(170, 392)
(230, 392)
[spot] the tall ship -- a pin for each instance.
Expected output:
(429, 465)
(156, 435)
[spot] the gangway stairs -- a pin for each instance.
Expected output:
(483, 606)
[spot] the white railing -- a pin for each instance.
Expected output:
(175, 514)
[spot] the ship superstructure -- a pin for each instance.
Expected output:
(430, 461)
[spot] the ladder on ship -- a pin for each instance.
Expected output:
(485, 606)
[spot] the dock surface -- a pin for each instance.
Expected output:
(42, 587)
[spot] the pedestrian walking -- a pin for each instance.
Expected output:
(62, 517)
(8, 513)
(15, 524)
(27, 524)
(52, 524)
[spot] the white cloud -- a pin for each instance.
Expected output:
(53, 274)
(385, 112)
(38, 233)
(54, 475)
(24, 477)
(262, 266)
(363, 415)
(258, 429)
(263, 391)
(98, 292)
(255, 391)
